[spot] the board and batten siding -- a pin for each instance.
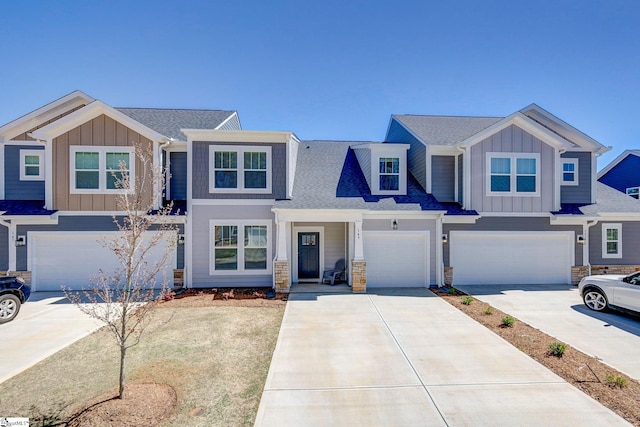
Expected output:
(370, 224)
(201, 215)
(14, 188)
(512, 139)
(580, 193)
(101, 131)
(77, 223)
(417, 155)
(443, 178)
(512, 224)
(630, 244)
(200, 175)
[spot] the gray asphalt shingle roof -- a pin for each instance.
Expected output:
(610, 200)
(168, 122)
(444, 130)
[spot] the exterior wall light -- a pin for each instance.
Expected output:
(394, 224)
(181, 239)
(445, 238)
(21, 240)
(580, 239)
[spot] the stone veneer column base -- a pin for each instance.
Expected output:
(26, 275)
(178, 278)
(448, 276)
(282, 276)
(358, 276)
(580, 271)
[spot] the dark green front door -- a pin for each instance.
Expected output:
(308, 255)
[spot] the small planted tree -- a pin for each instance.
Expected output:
(124, 299)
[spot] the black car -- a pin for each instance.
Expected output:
(14, 292)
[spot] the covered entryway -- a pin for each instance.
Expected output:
(397, 258)
(70, 259)
(511, 257)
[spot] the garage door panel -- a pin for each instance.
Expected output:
(396, 259)
(70, 259)
(511, 257)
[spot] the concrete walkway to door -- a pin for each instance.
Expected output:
(405, 357)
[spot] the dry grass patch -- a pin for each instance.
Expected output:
(214, 356)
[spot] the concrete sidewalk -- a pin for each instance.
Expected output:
(406, 357)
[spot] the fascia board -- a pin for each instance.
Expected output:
(617, 160)
(322, 215)
(90, 112)
(404, 214)
(460, 219)
(45, 113)
(381, 146)
(212, 135)
(524, 123)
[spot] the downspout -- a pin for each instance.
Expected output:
(439, 252)
(585, 250)
(11, 249)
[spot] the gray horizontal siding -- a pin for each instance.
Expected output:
(200, 217)
(14, 188)
(417, 156)
(78, 223)
(200, 174)
(512, 224)
(178, 171)
(443, 178)
(364, 160)
(630, 244)
(580, 193)
(460, 178)
(4, 248)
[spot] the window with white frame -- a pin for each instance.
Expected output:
(239, 169)
(240, 247)
(515, 174)
(389, 173)
(569, 171)
(633, 192)
(31, 165)
(100, 169)
(611, 240)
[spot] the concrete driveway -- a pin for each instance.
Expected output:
(47, 323)
(558, 311)
(406, 357)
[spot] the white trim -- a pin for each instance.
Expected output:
(240, 152)
(29, 143)
(294, 251)
(2, 146)
(102, 168)
(513, 174)
(239, 246)
(517, 214)
(225, 121)
(319, 215)
(460, 219)
(254, 137)
(611, 226)
(38, 153)
(232, 202)
(576, 165)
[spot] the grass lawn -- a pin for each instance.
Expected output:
(216, 358)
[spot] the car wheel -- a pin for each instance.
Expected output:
(9, 307)
(595, 300)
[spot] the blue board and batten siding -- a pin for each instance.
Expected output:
(443, 178)
(512, 139)
(14, 188)
(417, 156)
(630, 244)
(201, 172)
(623, 175)
(580, 193)
(178, 171)
(77, 223)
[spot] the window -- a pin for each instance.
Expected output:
(389, 173)
(611, 240)
(98, 169)
(240, 247)
(513, 174)
(31, 165)
(633, 192)
(569, 171)
(240, 169)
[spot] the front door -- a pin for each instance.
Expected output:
(308, 255)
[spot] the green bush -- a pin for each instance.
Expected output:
(557, 349)
(488, 311)
(616, 381)
(467, 300)
(508, 321)
(451, 291)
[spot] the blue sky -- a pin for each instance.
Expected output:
(333, 69)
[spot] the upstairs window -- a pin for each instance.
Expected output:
(570, 172)
(240, 169)
(513, 174)
(389, 174)
(633, 192)
(31, 165)
(98, 169)
(611, 240)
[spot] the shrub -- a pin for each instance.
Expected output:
(616, 381)
(451, 291)
(557, 349)
(488, 311)
(508, 321)
(467, 300)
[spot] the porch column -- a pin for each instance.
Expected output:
(358, 263)
(281, 265)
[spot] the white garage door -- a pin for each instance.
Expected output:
(397, 258)
(502, 258)
(70, 258)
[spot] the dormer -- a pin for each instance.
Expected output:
(384, 167)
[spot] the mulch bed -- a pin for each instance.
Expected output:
(235, 297)
(587, 373)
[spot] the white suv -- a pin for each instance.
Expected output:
(611, 291)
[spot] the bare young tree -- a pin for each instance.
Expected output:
(124, 299)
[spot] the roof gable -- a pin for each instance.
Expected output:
(617, 160)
